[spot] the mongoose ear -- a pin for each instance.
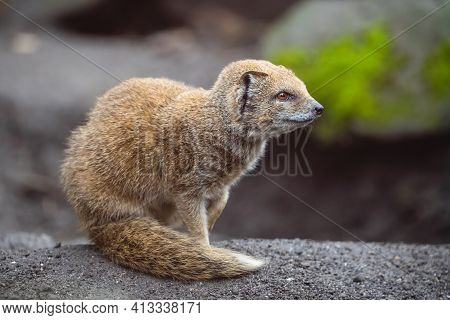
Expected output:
(247, 88)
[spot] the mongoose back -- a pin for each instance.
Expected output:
(155, 153)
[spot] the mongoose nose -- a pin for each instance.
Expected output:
(318, 108)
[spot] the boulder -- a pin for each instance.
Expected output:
(381, 68)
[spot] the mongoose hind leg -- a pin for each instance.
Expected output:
(165, 212)
(216, 207)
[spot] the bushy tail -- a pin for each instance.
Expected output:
(145, 245)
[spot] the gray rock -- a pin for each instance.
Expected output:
(405, 101)
(24, 240)
(71, 272)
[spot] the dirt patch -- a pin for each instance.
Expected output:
(296, 269)
(141, 17)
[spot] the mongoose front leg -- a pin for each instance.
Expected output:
(216, 207)
(193, 214)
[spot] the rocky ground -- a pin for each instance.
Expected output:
(296, 269)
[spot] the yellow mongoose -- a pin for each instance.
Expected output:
(154, 152)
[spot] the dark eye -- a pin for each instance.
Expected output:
(283, 96)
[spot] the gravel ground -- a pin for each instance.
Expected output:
(297, 269)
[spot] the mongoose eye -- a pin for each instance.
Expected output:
(283, 96)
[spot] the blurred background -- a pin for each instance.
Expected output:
(379, 157)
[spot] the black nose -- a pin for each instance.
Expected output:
(318, 108)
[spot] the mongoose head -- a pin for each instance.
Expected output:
(263, 98)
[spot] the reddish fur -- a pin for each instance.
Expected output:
(124, 172)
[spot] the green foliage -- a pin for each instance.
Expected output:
(352, 90)
(437, 70)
